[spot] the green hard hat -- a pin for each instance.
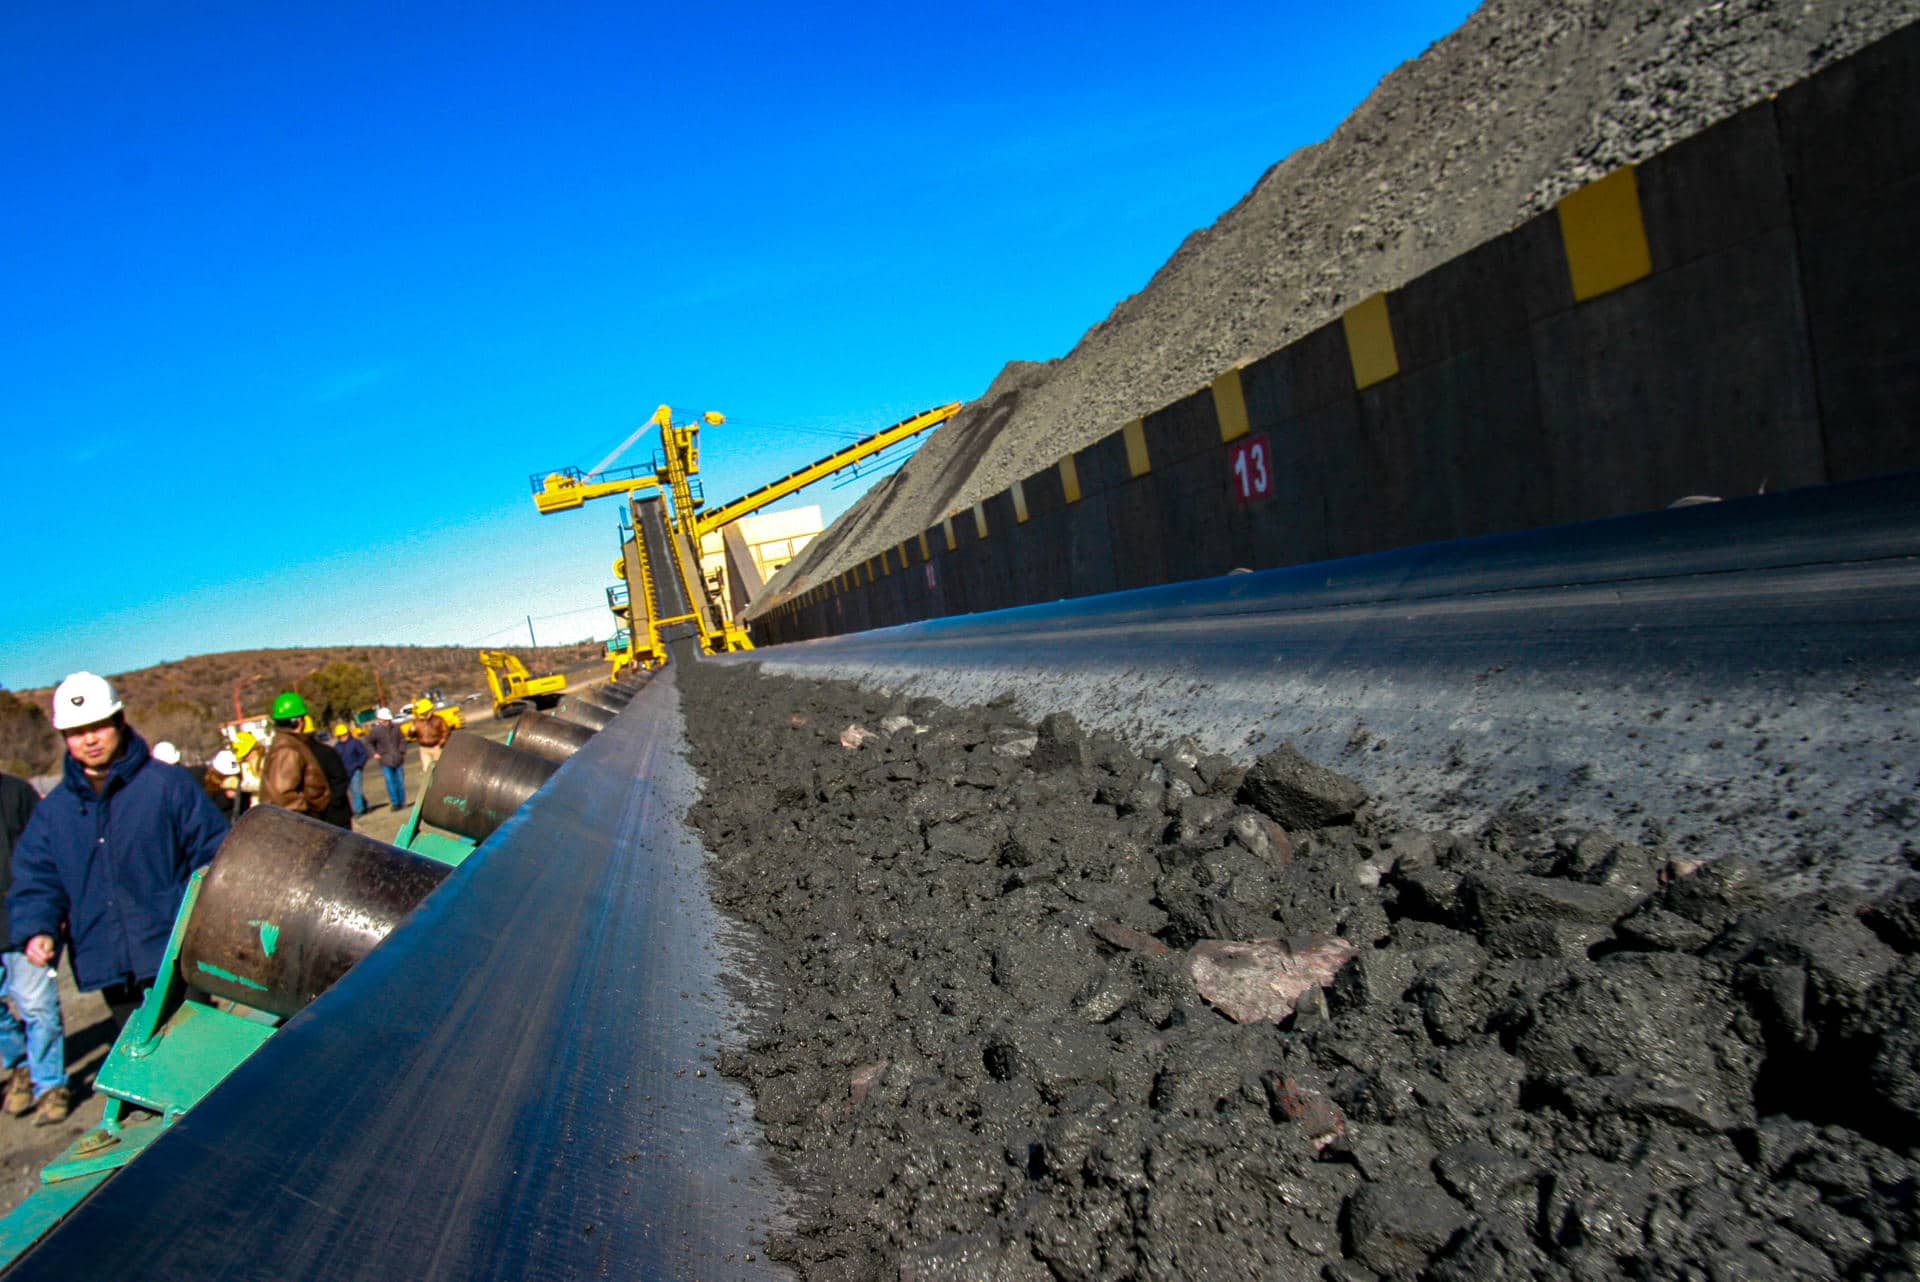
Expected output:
(287, 705)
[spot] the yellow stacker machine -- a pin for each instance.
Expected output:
(659, 564)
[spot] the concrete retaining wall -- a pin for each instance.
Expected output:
(1739, 313)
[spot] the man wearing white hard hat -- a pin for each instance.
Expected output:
(389, 746)
(222, 782)
(106, 857)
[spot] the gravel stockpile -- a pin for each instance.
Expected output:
(1037, 1006)
(1526, 101)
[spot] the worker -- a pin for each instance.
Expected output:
(354, 756)
(430, 731)
(107, 854)
(222, 782)
(253, 759)
(33, 1043)
(302, 774)
(390, 746)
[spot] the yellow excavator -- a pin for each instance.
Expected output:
(515, 689)
(660, 547)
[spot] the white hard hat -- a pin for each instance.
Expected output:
(83, 699)
(224, 762)
(164, 751)
(384, 714)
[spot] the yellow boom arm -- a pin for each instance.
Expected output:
(711, 520)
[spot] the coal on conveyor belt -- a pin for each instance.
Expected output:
(1038, 1006)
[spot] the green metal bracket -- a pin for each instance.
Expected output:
(178, 1045)
(434, 844)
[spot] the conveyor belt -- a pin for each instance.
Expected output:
(518, 1084)
(670, 598)
(1748, 672)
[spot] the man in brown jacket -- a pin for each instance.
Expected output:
(301, 774)
(430, 731)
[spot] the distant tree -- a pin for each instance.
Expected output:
(28, 744)
(336, 689)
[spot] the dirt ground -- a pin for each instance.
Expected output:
(26, 1147)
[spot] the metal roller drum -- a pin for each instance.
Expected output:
(478, 783)
(554, 738)
(291, 903)
(607, 696)
(577, 710)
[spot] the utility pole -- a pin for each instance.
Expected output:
(243, 681)
(531, 643)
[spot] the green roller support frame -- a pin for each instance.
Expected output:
(179, 1045)
(445, 847)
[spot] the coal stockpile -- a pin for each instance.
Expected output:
(1035, 1005)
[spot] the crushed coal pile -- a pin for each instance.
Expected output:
(1035, 1005)
(1525, 101)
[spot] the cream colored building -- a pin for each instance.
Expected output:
(767, 540)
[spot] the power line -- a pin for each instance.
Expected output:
(521, 622)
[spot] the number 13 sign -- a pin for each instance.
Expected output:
(1251, 460)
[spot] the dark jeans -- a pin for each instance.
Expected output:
(396, 784)
(124, 999)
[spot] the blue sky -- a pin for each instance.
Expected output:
(294, 298)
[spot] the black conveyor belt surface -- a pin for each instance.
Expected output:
(669, 596)
(517, 1084)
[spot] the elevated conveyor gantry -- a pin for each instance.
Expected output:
(659, 563)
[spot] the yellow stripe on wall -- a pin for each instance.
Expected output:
(1019, 503)
(1135, 436)
(1604, 235)
(1070, 479)
(979, 520)
(946, 526)
(1370, 347)
(1230, 406)
(926, 554)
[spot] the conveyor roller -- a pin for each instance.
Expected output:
(478, 783)
(291, 904)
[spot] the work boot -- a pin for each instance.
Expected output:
(54, 1105)
(20, 1092)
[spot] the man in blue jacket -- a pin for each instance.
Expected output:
(108, 852)
(354, 755)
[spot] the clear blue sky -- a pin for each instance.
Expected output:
(294, 297)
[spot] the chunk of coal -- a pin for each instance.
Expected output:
(1655, 929)
(1060, 745)
(1395, 1227)
(1485, 1178)
(1491, 899)
(1664, 1017)
(1896, 918)
(1298, 793)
